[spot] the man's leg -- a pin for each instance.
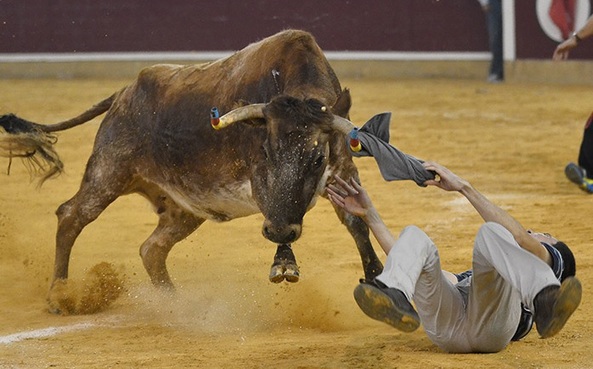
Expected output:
(386, 298)
(504, 276)
(413, 267)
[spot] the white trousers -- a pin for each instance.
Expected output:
(504, 275)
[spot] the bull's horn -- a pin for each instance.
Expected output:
(246, 112)
(342, 125)
(346, 127)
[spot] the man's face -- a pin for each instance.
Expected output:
(542, 237)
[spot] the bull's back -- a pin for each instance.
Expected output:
(172, 102)
(159, 126)
(290, 62)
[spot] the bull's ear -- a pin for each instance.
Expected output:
(343, 104)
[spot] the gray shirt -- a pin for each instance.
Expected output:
(394, 164)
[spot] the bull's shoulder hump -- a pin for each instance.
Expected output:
(160, 69)
(279, 41)
(292, 35)
(290, 38)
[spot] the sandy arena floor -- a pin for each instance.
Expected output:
(511, 140)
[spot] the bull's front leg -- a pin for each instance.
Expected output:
(371, 264)
(285, 266)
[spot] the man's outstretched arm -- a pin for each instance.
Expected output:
(490, 212)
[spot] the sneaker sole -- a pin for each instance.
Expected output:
(377, 305)
(574, 174)
(568, 300)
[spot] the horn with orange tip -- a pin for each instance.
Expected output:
(246, 112)
(348, 128)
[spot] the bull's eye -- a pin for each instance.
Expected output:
(319, 161)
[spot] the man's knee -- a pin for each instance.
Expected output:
(490, 229)
(491, 233)
(416, 238)
(413, 232)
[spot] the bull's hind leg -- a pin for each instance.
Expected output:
(73, 215)
(95, 194)
(174, 225)
(285, 266)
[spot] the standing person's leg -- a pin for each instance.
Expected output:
(586, 149)
(504, 276)
(494, 20)
(582, 174)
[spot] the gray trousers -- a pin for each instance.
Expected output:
(479, 314)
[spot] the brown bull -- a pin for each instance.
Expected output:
(157, 140)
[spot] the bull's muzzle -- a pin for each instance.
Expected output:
(281, 233)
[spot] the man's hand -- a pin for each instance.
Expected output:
(445, 179)
(350, 196)
(354, 199)
(562, 50)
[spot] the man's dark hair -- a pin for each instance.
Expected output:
(570, 267)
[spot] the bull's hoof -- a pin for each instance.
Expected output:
(291, 274)
(54, 310)
(279, 273)
(276, 274)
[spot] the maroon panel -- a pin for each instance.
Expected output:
(205, 25)
(531, 40)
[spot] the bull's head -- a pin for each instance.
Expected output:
(290, 170)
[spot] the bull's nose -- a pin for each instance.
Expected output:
(281, 233)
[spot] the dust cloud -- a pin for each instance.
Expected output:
(100, 287)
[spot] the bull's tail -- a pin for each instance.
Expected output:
(35, 142)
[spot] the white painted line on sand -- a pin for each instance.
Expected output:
(41, 333)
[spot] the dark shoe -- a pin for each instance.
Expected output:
(554, 305)
(387, 305)
(578, 176)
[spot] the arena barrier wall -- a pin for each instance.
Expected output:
(378, 38)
